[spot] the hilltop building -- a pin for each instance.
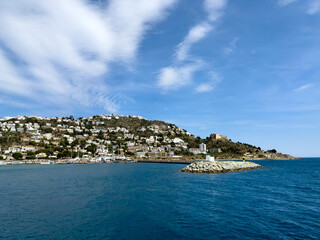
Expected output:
(215, 136)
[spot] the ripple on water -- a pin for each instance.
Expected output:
(155, 201)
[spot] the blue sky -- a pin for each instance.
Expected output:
(246, 69)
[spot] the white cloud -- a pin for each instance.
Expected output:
(214, 79)
(303, 87)
(10, 79)
(175, 77)
(198, 32)
(195, 34)
(130, 19)
(228, 50)
(214, 7)
(59, 50)
(314, 7)
(284, 3)
(181, 73)
(204, 87)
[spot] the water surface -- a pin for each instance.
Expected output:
(155, 201)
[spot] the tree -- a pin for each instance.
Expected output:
(64, 142)
(32, 143)
(272, 151)
(83, 143)
(92, 148)
(131, 154)
(64, 154)
(75, 143)
(100, 135)
(48, 130)
(30, 153)
(89, 125)
(32, 156)
(110, 148)
(17, 156)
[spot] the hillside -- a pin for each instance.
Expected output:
(30, 137)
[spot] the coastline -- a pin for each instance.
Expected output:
(93, 161)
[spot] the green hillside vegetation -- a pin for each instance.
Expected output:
(61, 137)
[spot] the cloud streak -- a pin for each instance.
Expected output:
(56, 52)
(185, 65)
(228, 50)
(303, 87)
(313, 6)
(195, 34)
(283, 3)
(176, 77)
(211, 84)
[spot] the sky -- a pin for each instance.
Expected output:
(246, 69)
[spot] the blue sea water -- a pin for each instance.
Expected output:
(155, 201)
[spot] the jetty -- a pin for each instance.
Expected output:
(219, 166)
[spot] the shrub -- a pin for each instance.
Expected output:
(17, 156)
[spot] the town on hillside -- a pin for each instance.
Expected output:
(103, 138)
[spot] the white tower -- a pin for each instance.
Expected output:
(203, 147)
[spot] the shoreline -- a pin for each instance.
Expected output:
(89, 161)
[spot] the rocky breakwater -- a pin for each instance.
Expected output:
(219, 167)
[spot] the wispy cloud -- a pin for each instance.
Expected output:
(195, 34)
(181, 72)
(228, 50)
(10, 79)
(314, 7)
(201, 30)
(213, 8)
(303, 87)
(211, 84)
(176, 77)
(284, 3)
(57, 51)
(204, 87)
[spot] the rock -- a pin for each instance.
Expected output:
(219, 167)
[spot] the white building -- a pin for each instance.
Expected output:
(178, 141)
(14, 149)
(48, 135)
(211, 159)
(203, 147)
(150, 140)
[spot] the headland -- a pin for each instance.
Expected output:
(105, 138)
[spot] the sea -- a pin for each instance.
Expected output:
(156, 201)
